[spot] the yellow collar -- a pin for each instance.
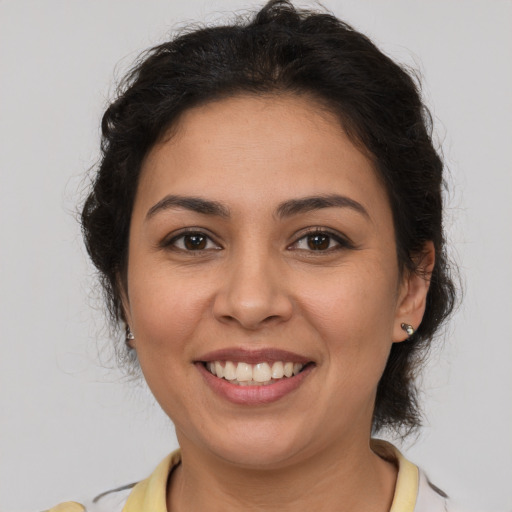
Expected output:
(150, 494)
(407, 481)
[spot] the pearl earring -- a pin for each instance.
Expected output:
(129, 334)
(408, 328)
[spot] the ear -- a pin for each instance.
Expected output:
(413, 292)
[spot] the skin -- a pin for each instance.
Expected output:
(258, 284)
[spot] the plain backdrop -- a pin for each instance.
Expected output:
(70, 427)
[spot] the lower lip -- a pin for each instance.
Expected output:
(254, 395)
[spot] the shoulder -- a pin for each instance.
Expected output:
(132, 497)
(414, 492)
(432, 499)
(111, 501)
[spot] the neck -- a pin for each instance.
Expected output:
(350, 475)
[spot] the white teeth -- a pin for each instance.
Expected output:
(261, 372)
(230, 371)
(277, 370)
(219, 370)
(288, 369)
(243, 372)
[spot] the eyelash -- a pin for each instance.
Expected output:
(342, 242)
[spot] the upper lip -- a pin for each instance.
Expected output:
(254, 356)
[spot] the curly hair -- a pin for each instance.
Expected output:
(281, 49)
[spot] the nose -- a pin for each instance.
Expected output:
(253, 294)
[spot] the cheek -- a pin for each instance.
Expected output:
(353, 300)
(166, 314)
(354, 314)
(166, 310)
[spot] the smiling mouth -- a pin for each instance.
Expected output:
(259, 374)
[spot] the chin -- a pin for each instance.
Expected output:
(257, 456)
(260, 448)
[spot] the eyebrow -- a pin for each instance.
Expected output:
(312, 203)
(195, 204)
(284, 210)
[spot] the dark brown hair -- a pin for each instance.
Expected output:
(285, 50)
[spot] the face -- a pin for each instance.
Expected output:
(263, 286)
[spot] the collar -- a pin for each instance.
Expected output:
(407, 481)
(150, 494)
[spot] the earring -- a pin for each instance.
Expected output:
(129, 335)
(408, 328)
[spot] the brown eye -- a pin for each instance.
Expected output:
(195, 242)
(322, 241)
(318, 241)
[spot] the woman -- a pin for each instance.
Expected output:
(267, 222)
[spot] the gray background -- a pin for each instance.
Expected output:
(69, 426)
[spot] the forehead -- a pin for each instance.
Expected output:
(250, 151)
